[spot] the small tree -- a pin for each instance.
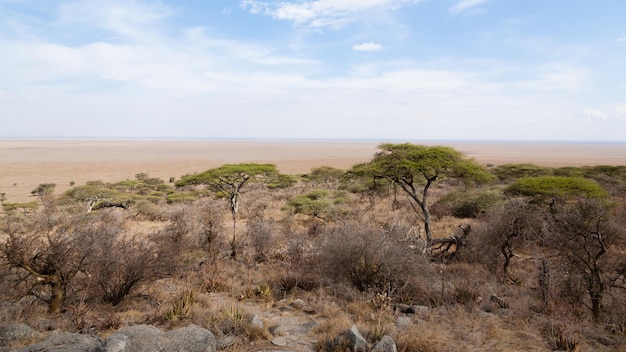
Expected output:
(582, 233)
(51, 250)
(508, 228)
(415, 168)
(231, 181)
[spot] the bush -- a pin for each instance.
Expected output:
(371, 261)
(466, 205)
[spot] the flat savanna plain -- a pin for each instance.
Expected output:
(24, 164)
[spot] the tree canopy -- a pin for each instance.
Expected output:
(414, 168)
(230, 181)
(552, 188)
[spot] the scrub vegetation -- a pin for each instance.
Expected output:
(510, 257)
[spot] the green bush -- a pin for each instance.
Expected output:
(466, 205)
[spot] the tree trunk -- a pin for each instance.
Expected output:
(427, 228)
(233, 244)
(56, 298)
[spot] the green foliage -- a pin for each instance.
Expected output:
(230, 174)
(510, 172)
(466, 204)
(282, 181)
(44, 189)
(182, 197)
(320, 203)
(549, 188)
(26, 207)
(325, 175)
(414, 168)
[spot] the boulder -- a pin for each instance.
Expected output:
(386, 344)
(356, 340)
(11, 333)
(68, 343)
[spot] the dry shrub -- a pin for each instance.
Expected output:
(123, 264)
(260, 231)
(209, 221)
(371, 260)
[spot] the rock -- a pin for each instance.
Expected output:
(403, 322)
(256, 322)
(190, 339)
(420, 311)
(68, 343)
(356, 340)
(307, 327)
(403, 308)
(225, 341)
(298, 304)
(116, 343)
(277, 330)
(147, 338)
(11, 333)
(386, 344)
(279, 341)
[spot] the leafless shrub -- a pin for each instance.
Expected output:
(370, 260)
(122, 264)
(507, 229)
(210, 226)
(260, 232)
(51, 250)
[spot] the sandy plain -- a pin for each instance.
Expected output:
(24, 164)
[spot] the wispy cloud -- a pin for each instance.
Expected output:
(465, 5)
(621, 40)
(320, 13)
(596, 114)
(371, 46)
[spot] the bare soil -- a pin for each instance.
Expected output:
(24, 164)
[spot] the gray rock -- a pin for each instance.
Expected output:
(403, 322)
(256, 321)
(11, 333)
(116, 343)
(225, 341)
(147, 338)
(420, 311)
(386, 344)
(139, 338)
(356, 340)
(298, 304)
(68, 343)
(279, 341)
(190, 339)
(403, 308)
(278, 330)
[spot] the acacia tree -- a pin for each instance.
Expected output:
(415, 168)
(230, 181)
(555, 190)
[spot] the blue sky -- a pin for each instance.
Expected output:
(339, 69)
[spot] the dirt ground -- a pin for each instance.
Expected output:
(24, 164)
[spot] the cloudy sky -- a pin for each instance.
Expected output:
(340, 69)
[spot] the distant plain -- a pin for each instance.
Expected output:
(24, 164)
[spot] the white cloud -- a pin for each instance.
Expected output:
(465, 5)
(371, 46)
(320, 13)
(621, 40)
(595, 114)
(620, 110)
(135, 20)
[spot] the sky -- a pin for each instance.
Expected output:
(505, 70)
